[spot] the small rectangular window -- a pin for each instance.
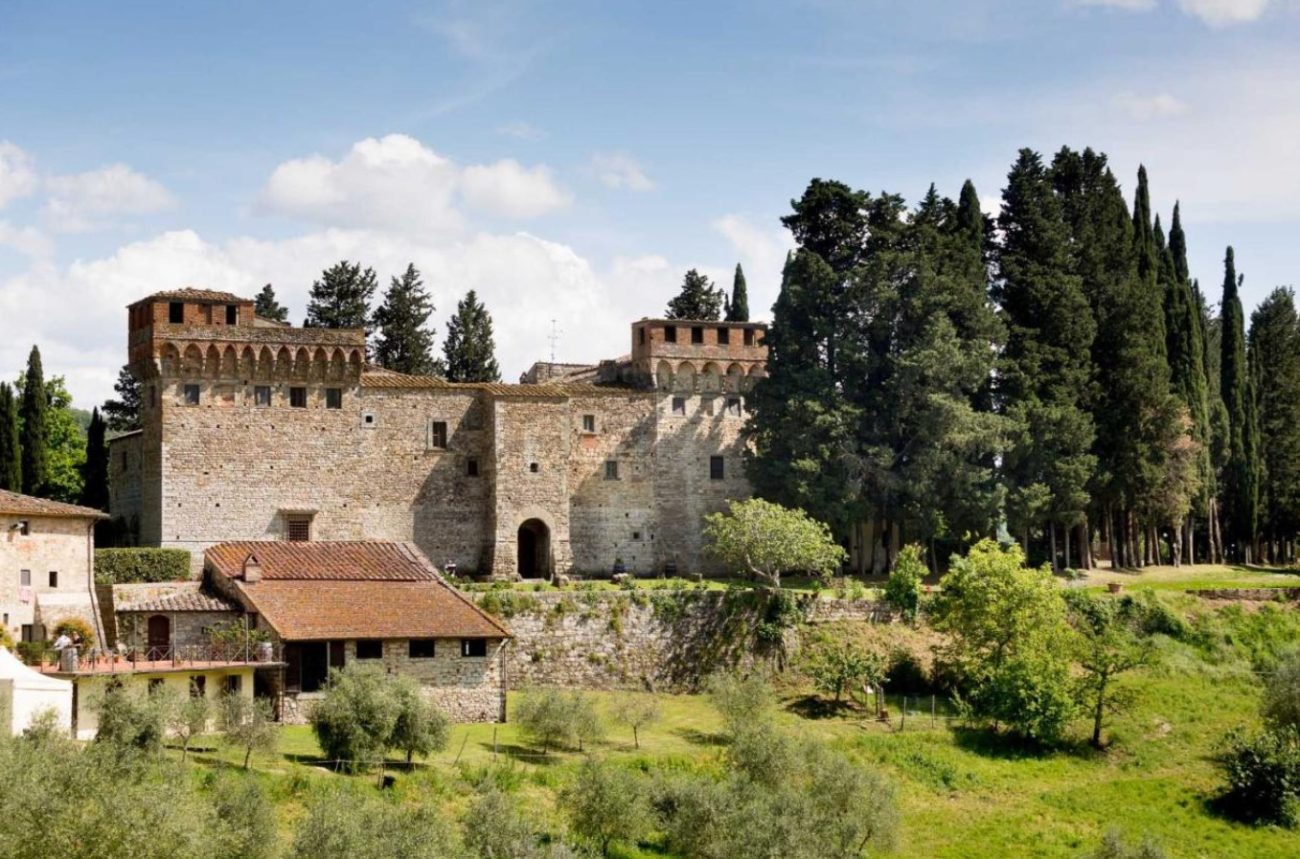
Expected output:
(298, 398)
(175, 313)
(297, 529)
(232, 314)
(679, 406)
(191, 395)
(233, 684)
(262, 396)
(733, 407)
(724, 336)
(642, 336)
(717, 468)
(473, 647)
(749, 336)
(697, 334)
(670, 333)
(611, 469)
(54, 578)
(438, 434)
(25, 578)
(24, 527)
(471, 468)
(372, 648)
(198, 686)
(420, 648)
(333, 398)
(588, 423)
(28, 632)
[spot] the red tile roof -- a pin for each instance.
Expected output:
(341, 561)
(348, 590)
(187, 600)
(305, 610)
(14, 504)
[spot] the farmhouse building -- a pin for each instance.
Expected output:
(254, 430)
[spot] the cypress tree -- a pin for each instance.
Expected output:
(405, 341)
(94, 492)
(341, 298)
(1275, 352)
(470, 351)
(267, 307)
(123, 414)
(1046, 370)
(11, 469)
(738, 305)
(698, 299)
(1234, 386)
(31, 415)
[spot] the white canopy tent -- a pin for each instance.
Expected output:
(24, 693)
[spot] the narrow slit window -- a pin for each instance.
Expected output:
(54, 578)
(471, 468)
(717, 468)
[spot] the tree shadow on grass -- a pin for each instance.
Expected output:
(996, 745)
(696, 737)
(815, 707)
(526, 754)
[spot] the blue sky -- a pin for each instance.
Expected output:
(570, 161)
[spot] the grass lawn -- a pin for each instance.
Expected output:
(963, 794)
(1196, 577)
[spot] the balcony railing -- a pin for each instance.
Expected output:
(154, 657)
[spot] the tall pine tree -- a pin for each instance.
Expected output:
(1046, 370)
(698, 299)
(123, 413)
(470, 350)
(405, 342)
(11, 468)
(738, 304)
(94, 491)
(341, 298)
(32, 419)
(267, 307)
(1235, 388)
(1275, 351)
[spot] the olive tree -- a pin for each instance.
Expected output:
(606, 803)
(763, 540)
(1281, 707)
(421, 728)
(636, 711)
(1107, 645)
(248, 724)
(355, 718)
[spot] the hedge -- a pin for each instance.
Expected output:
(123, 566)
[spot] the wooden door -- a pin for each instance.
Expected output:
(159, 637)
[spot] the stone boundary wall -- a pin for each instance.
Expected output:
(665, 640)
(1248, 594)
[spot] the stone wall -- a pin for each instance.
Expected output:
(1248, 594)
(52, 544)
(643, 639)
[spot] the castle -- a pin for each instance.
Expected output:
(256, 430)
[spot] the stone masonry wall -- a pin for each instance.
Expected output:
(646, 639)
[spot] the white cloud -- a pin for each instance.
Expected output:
(28, 241)
(1143, 108)
(398, 183)
(521, 130)
(1219, 13)
(507, 188)
(17, 173)
(618, 170)
(85, 201)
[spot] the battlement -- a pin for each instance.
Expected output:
(694, 355)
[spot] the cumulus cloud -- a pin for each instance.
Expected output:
(1143, 108)
(620, 171)
(17, 173)
(85, 201)
(397, 183)
(1219, 13)
(511, 190)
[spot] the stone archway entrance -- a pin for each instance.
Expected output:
(534, 542)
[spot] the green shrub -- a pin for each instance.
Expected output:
(1263, 772)
(124, 566)
(837, 666)
(606, 803)
(551, 718)
(903, 590)
(1282, 694)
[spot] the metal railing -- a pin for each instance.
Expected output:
(153, 656)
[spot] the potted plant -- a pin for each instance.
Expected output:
(1114, 587)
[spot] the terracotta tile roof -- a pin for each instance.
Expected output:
(387, 379)
(193, 293)
(302, 610)
(318, 561)
(190, 600)
(14, 504)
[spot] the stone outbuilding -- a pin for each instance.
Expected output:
(327, 604)
(47, 565)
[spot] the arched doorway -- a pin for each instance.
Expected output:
(159, 636)
(534, 559)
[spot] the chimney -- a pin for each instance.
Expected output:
(252, 569)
